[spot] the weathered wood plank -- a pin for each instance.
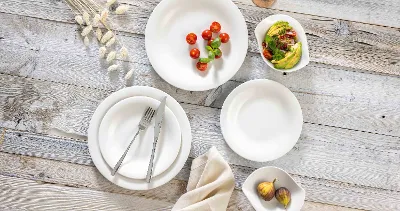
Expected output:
(35, 56)
(374, 12)
(22, 194)
(331, 41)
(87, 177)
(319, 88)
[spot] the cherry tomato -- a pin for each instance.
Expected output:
(217, 57)
(224, 37)
(207, 34)
(194, 53)
(191, 38)
(209, 42)
(215, 27)
(201, 66)
(267, 54)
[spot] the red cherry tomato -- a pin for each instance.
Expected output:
(215, 27)
(209, 42)
(191, 38)
(217, 57)
(207, 34)
(224, 37)
(267, 54)
(201, 66)
(194, 53)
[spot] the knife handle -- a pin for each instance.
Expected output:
(150, 169)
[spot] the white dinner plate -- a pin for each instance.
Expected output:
(168, 50)
(261, 120)
(93, 138)
(120, 125)
(283, 179)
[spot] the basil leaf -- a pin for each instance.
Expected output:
(211, 55)
(216, 43)
(209, 48)
(217, 52)
(204, 60)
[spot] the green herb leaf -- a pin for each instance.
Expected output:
(209, 48)
(204, 60)
(216, 43)
(211, 55)
(217, 52)
(272, 44)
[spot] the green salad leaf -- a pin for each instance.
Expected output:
(216, 43)
(277, 54)
(217, 52)
(211, 55)
(209, 48)
(204, 60)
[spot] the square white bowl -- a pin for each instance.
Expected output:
(262, 29)
(268, 174)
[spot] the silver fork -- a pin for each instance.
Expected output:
(143, 124)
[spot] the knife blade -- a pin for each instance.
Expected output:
(157, 127)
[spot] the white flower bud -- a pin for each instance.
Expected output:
(86, 30)
(102, 52)
(123, 53)
(104, 15)
(79, 19)
(111, 56)
(129, 75)
(96, 20)
(110, 42)
(110, 2)
(113, 68)
(107, 36)
(121, 9)
(99, 34)
(86, 41)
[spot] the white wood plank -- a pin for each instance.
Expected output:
(374, 110)
(79, 176)
(384, 12)
(22, 194)
(331, 41)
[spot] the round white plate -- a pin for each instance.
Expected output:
(261, 120)
(168, 50)
(93, 138)
(120, 125)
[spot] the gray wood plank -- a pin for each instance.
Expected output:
(23, 194)
(368, 11)
(80, 176)
(354, 45)
(47, 56)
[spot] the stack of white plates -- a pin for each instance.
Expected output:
(115, 122)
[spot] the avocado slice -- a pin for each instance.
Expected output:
(275, 30)
(281, 64)
(277, 25)
(296, 58)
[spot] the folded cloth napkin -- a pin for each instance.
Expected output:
(210, 185)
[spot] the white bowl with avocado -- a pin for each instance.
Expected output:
(285, 45)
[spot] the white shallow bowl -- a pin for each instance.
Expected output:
(93, 138)
(262, 29)
(120, 125)
(168, 50)
(261, 120)
(268, 174)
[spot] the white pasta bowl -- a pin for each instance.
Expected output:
(262, 29)
(268, 174)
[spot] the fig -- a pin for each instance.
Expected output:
(283, 196)
(266, 190)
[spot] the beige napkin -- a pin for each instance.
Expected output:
(210, 185)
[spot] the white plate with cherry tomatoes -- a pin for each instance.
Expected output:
(178, 44)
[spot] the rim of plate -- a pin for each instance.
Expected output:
(94, 148)
(187, 86)
(224, 116)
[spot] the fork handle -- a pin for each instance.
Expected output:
(116, 167)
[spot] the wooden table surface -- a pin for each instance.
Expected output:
(348, 156)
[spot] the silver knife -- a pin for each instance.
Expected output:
(158, 121)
